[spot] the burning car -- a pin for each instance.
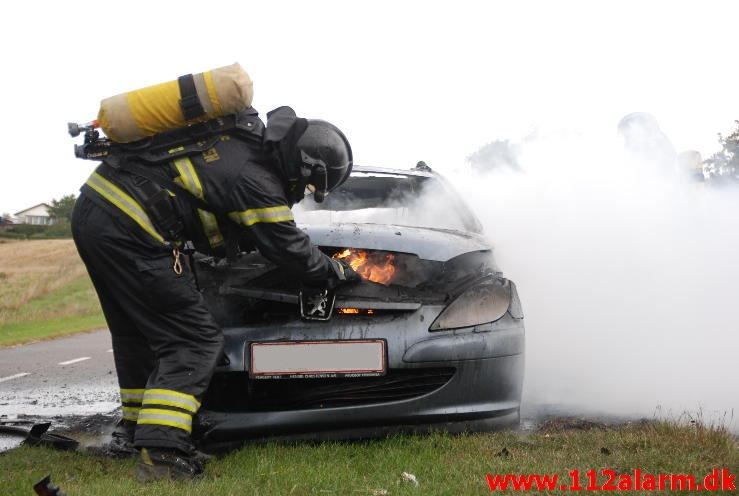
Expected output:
(431, 338)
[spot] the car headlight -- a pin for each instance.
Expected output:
(482, 303)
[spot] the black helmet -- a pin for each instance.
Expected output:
(324, 149)
(311, 152)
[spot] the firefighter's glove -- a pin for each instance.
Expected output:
(344, 271)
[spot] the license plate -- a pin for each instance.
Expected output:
(317, 359)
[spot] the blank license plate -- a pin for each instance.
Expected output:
(317, 359)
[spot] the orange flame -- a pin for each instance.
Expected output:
(356, 311)
(374, 267)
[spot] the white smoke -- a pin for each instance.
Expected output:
(628, 275)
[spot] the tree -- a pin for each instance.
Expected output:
(723, 166)
(62, 208)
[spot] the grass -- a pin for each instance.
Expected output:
(44, 291)
(443, 464)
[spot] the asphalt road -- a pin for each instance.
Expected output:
(67, 376)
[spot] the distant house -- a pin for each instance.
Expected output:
(5, 221)
(37, 215)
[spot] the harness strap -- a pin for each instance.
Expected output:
(192, 108)
(231, 238)
(167, 184)
(157, 203)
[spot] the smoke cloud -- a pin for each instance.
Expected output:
(627, 273)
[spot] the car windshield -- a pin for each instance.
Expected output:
(389, 198)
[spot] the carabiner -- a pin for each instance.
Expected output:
(177, 267)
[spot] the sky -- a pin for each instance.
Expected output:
(406, 81)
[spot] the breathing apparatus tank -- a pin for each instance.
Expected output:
(175, 104)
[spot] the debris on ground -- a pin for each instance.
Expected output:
(561, 424)
(503, 452)
(44, 487)
(36, 435)
(406, 477)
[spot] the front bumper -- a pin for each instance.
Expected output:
(483, 392)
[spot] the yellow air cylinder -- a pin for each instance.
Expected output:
(155, 109)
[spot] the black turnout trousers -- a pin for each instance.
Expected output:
(165, 342)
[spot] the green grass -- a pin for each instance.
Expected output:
(69, 309)
(33, 330)
(443, 464)
(44, 292)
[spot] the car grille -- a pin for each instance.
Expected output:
(235, 392)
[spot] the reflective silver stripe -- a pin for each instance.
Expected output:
(124, 202)
(132, 395)
(155, 416)
(171, 398)
(252, 216)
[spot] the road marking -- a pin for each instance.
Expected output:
(22, 374)
(110, 350)
(69, 362)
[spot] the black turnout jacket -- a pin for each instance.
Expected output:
(241, 185)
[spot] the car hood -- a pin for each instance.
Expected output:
(427, 243)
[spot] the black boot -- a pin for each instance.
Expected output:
(160, 463)
(121, 442)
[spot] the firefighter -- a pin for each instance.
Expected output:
(129, 228)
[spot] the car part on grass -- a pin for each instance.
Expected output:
(37, 435)
(44, 487)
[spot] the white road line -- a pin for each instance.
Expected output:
(22, 374)
(110, 350)
(69, 362)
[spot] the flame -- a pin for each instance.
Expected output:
(356, 311)
(374, 267)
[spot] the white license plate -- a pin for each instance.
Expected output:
(317, 359)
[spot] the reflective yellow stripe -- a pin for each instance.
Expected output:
(189, 177)
(120, 199)
(131, 412)
(155, 416)
(132, 395)
(210, 228)
(191, 182)
(168, 397)
(252, 216)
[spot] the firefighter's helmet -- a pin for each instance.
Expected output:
(325, 154)
(313, 154)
